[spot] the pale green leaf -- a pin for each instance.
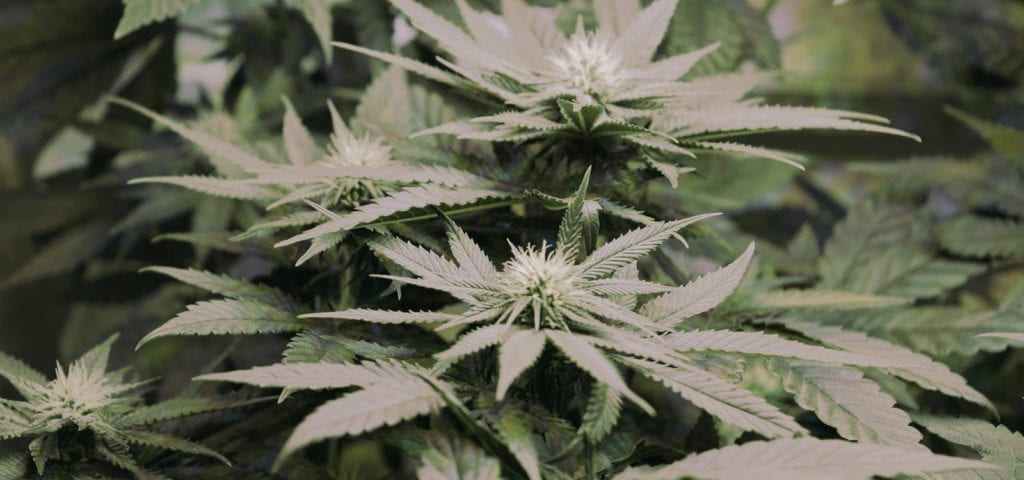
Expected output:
(759, 343)
(630, 246)
(384, 316)
(423, 69)
(850, 403)
(804, 459)
(401, 201)
(474, 341)
(908, 365)
(832, 299)
(637, 43)
(227, 317)
(211, 144)
(13, 367)
(518, 353)
(227, 286)
(471, 258)
(725, 401)
(318, 14)
(221, 187)
(298, 143)
(375, 406)
(699, 295)
(591, 360)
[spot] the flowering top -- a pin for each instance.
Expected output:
(87, 398)
(604, 84)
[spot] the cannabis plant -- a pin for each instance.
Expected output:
(87, 416)
(602, 85)
(499, 256)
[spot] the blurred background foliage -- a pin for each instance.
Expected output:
(73, 234)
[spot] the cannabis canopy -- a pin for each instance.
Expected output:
(502, 253)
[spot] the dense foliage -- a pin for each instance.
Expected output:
(481, 239)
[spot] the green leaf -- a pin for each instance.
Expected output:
(997, 444)
(940, 331)
(740, 31)
(168, 442)
(850, 403)
(805, 458)
(450, 457)
(227, 317)
(15, 467)
(70, 249)
(11, 367)
(1007, 141)
(584, 117)
(974, 236)
(602, 413)
(515, 431)
(570, 229)
(178, 407)
(877, 250)
(139, 13)
(311, 346)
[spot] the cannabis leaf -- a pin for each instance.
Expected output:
(139, 13)
(454, 458)
(997, 444)
(852, 404)
(805, 458)
(249, 308)
(390, 392)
